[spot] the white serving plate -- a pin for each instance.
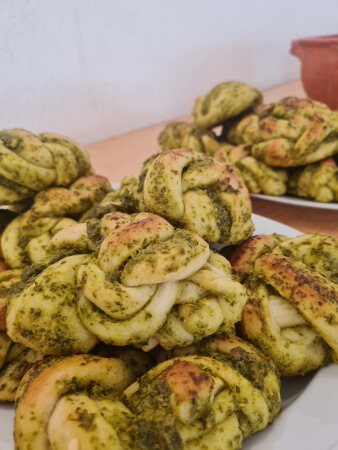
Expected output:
(309, 414)
(297, 201)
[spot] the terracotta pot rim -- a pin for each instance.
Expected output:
(331, 39)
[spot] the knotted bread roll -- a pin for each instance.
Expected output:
(151, 283)
(291, 314)
(188, 135)
(145, 283)
(190, 402)
(73, 403)
(318, 181)
(257, 176)
(30, 163)
(195, 402)
(316, 250)
(25, 239)
(223, 102)
(15, 361)
(43, 314)
(194, 192)
(291, 132)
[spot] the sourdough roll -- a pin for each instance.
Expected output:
(188, 135)
(291, 132)
(223, 102)
(291, 314)
(151, 283)
(30, 163)
(195, 402)
(73, 403)
(25, 239)
(317, 181)
(257, 176)
(15, 361)
(194, 192)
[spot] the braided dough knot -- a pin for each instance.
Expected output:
(289, 133)
(130, 288)
(73, 402)
(223, 102)
(26, 238)
(30, 163)
(291, 314)
(188, 135)
(199, 194)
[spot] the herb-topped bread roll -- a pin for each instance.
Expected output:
(15, 361)
(316, 250)
(199, 402)
(30, 163)
(190, 402)
(291, 132)
(241, 356)
(73, 403)
(318, 181)
(291, 314)
(194, 192)
(257, 176)
(223, 102)
(25, 239)
(144, 283)
(188, 135)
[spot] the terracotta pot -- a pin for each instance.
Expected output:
(319, 57)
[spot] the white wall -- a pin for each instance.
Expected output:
(92, 69)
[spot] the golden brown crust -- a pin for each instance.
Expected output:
(292, 132)
(244, 256)
(45, 386)
(291, 314)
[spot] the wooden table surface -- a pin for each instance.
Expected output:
(123, 155)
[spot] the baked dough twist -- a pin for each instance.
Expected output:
(318, 181)
(194, 192)
(257, 176)
(224, 102)
(72, 403)
(241, 356)
(291, 132)
(291, 314)
(316, 250)
(146, 283)
(190, 402)
(15, 361)
(188, 135)
(43, 315)
(154, 284)
(195, 402)
(30, 163)
(25, 239)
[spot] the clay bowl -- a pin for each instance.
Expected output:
(319, 57)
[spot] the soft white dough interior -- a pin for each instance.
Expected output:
(284, 313)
